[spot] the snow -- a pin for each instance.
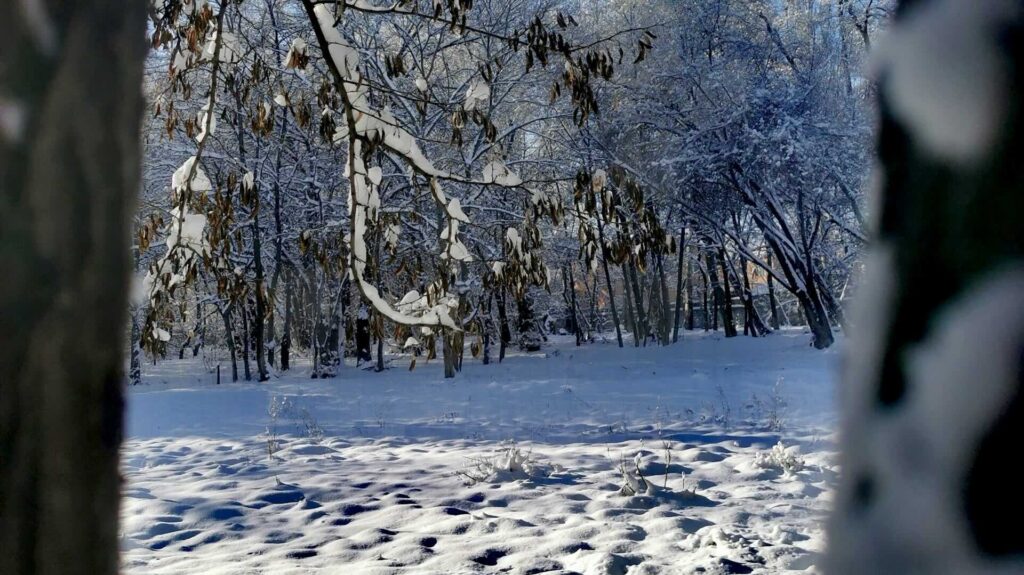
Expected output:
(455, 211)
(477, 93)
(295, 50)
(230, 48)
(202, 119)
(248, 181)
(199, 181)
(945, 75)
(509, 467)
(497, 172)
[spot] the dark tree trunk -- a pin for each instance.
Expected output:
(677, 316)
(638, 303)
(727, 316)
(627, 307)
(229, 336)
(575, 315)
(135, 353)
(753, 320)
(664, 317)
(67, 186)
(487, 326)
(380, 354)
(363, 352)
(690, 302)
(704, 308)
(529, 332)
(505, 332)
(261, 305)
(286, 336)
(940, 346)
(773, 302)
(608, 279)
(716, 289)
(246, 341)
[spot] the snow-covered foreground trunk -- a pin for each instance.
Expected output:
(70, 107)
(934, 407)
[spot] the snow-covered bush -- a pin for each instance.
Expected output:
(785, 459)
(509, 464)
(303, 423)
(770, 411)
(633, 480)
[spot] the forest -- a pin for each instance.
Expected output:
(494, 176)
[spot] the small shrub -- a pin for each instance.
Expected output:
(779, 457)
(509, 464)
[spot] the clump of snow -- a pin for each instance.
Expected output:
(296, 54)
(633, 480)
(230, 48)
(198, 182)
(785, 459)
(498, 173)
(946, 74)
(477, 93)
(205, 119)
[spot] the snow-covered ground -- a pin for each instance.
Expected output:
(515, 468)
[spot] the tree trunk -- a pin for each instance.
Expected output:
(751, 315)
(487, 325)
(704, 309)
(448, 355)
(664, 318)
(286, 337)
(229, 336)
(363, 352)
(933, 390)
(689, 294)
(608, 280)
(68, 180)
(727, 317)
(575, 315)
(529, 333)
(246, 341)
(677, 316)
(261, 304)
(135, 352)
(505, 332)
(638, 302)
(627, 304)
(776, 324)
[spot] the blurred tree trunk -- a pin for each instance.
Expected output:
(69, 165)
(940, 343)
